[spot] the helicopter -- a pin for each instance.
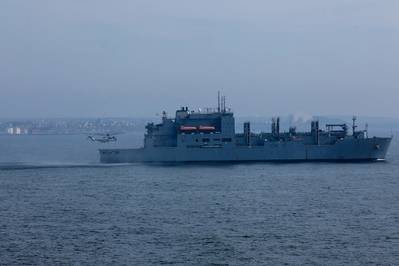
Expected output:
(103, 139)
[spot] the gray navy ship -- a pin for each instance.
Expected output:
(209, 136)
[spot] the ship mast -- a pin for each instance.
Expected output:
(354, 118)
(218, 101)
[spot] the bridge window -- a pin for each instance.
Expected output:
(226, 139)
(206, 140)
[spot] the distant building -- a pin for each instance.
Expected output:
(17, 131)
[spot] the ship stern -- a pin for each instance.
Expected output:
(121, 155)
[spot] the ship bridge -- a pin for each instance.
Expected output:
(213, 126)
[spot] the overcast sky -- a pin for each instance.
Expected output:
(136, 58)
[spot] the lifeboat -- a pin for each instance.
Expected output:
(206, 128)
(188, 128)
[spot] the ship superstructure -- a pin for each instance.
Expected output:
(209, 136)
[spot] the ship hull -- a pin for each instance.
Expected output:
(368, 149)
